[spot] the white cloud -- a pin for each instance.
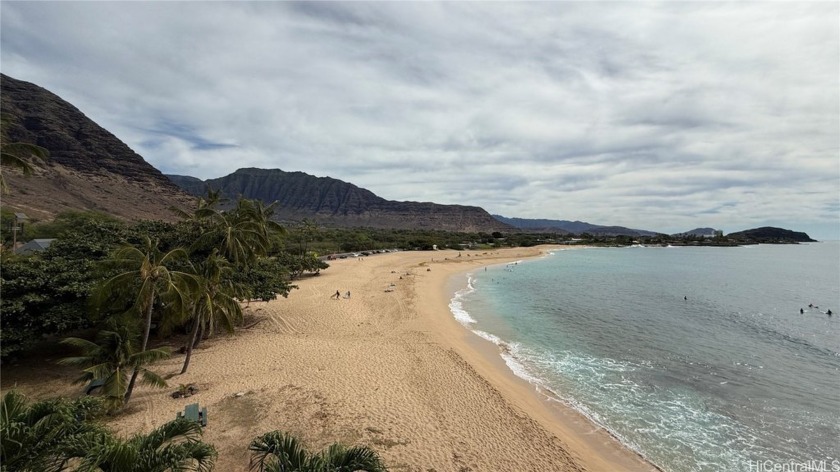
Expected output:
(662, 116)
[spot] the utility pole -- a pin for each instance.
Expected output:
(17, 225)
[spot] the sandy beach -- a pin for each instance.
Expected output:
(389, 369)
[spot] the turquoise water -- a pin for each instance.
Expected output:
(697, 358)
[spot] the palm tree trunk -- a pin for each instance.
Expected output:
(190, 344)
(146, 331)
(148, 321)
(131, 385)
(200, 336)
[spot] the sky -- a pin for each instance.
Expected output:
(658, 116)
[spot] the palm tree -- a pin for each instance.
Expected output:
(204, 206)
(149, 277)
(241, 234)
(31, 435)
(215, 304)
(52, 435)
(261, 213)
(281, 452)
(174, 446)
(113, 358)
(238, 239)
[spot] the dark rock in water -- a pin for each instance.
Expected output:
(88, 169)
(770, 235)
(334, 202)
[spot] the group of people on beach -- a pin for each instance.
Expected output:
(811, 305)
(337, 295)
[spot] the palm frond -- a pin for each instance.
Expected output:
(16, 162)
(277, 450)
(149, 356)
(338, 458)
(24, 150)
(79, 343)
(176, 430)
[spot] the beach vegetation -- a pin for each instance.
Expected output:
(241, 235)
(115, 360)
(148, 278)
(214, 304)
(264, 280)
(61, 434)
(277, 451)
(99, 267)
(174, 446)
(33, 435)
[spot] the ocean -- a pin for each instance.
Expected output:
(696, 357)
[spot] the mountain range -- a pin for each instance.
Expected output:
(91, 169)
(333, 202)
(573, 227)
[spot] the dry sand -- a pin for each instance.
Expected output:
(391, 370)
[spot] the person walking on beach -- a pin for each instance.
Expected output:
(337, 295)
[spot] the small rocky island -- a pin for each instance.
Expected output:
(771, 235)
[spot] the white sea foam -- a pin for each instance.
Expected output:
(457, 307)
(603, 376)
(489, 337)
(519, 369)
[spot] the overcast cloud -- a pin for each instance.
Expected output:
(661, 116)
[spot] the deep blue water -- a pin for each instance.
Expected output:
(698, 358)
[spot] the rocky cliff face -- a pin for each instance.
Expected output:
(337, 203)
(89, 168)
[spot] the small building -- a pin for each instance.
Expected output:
(36, 245)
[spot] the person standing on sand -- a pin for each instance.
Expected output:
(348, 294)
(337, 295)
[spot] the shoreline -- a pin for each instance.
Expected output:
(611, 450)
(603, 450)
(389, 368)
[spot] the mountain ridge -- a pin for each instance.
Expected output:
(331, 201)
(88, 168)
(570, 227)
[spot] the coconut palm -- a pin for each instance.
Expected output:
(214, 305)
(32, 435)
(204, 206)
(261, 213)
(57, 435)
(149, 277)
(239, 238)
(174, 446)
(281, 452)
(241, 234)
(114, 358)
